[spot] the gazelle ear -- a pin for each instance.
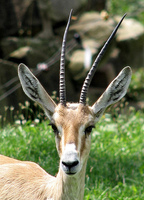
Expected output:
(114, 92)
(35, 91)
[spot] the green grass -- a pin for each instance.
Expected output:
(115, 167)
(116, 164)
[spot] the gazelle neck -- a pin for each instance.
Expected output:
(70, 187)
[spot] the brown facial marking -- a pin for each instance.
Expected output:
(59, 145)
(82, 144)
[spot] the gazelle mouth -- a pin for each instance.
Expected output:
(70, 173)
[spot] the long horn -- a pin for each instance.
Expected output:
(62, 87)
(90, 75)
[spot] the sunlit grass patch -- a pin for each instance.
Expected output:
(116, 164)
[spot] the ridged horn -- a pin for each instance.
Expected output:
(91, 73)
(62, 86)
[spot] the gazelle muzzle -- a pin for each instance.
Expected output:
(70, 162)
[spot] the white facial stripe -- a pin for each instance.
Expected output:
(90, 119)
(55, 116)
(81, 132)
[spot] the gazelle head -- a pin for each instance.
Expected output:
(72, 123)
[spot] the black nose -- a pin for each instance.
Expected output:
(70, 165)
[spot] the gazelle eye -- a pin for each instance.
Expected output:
(55, 130)
(88, 130)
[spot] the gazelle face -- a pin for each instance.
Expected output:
(72, 123)
(72, 126)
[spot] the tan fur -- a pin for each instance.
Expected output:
(22, 180)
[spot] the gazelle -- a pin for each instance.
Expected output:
(72, 124)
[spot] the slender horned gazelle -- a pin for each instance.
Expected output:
(72, 124)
